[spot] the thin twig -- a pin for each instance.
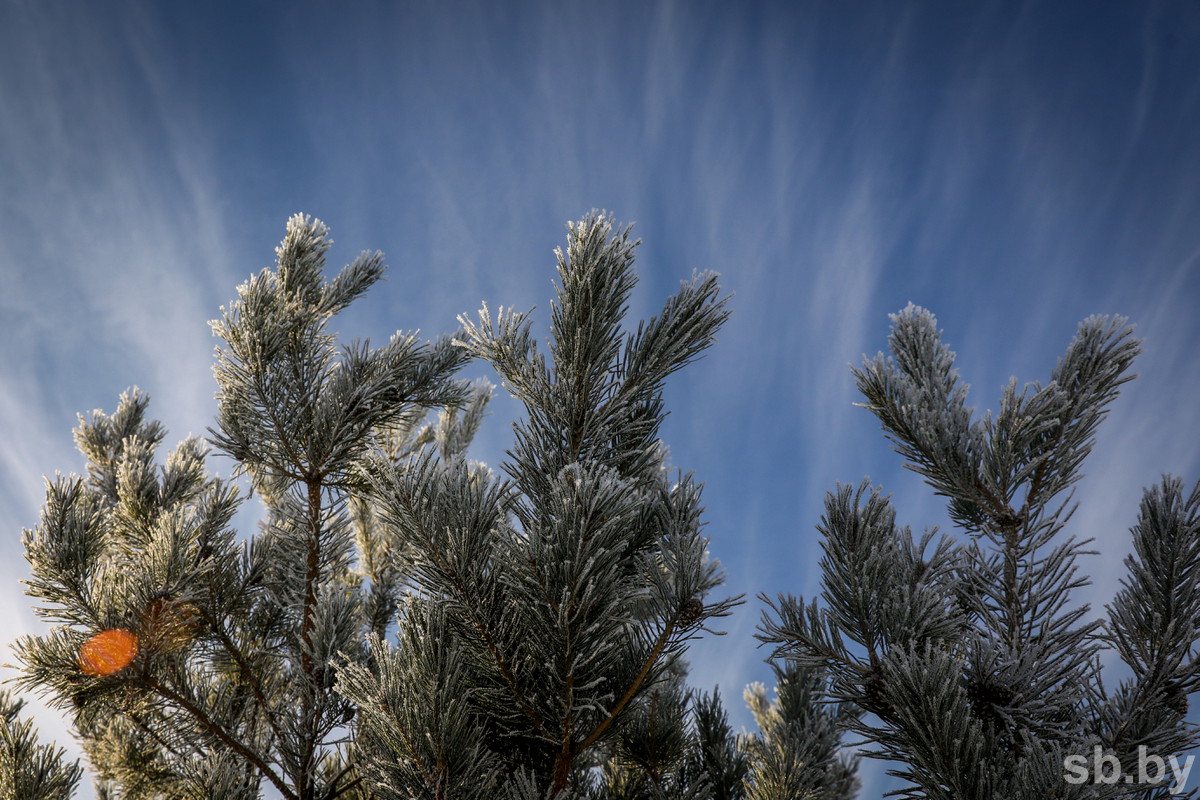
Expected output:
(238, 747)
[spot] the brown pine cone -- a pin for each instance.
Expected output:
(690, 612)
(1176, 699)
(875, 699)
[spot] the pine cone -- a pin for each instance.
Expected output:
(690, 612)
(322, 676)
(1008, 519)
(169, 623)
(875, 699)
(1175, 698)
(986, 698)
(960, 596)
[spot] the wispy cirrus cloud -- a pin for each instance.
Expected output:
(110, 248)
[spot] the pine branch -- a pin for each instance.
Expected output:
(220, 734)
(979, 672)
(634, 687)
(413, 518)
(29, 770)
(151, 555)
(247, 674)
(307, 665)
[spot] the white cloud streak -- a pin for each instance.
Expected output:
(111, 245)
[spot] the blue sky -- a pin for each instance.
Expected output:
(1014, 167)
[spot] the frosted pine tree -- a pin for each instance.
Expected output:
(196, 664)
(551, 604)
(406, 623)
(980, 671)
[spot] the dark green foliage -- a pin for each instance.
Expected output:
(797, 751)
(1154, 623)
(675, 743)
(977, 672)
(541, 613)
(573, 585)
(417, 729)
(716, 757)
(232, 685)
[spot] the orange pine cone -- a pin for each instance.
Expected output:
(108, 651)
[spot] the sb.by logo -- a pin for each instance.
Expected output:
(1106, 768)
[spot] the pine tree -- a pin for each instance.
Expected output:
(977, 669)
(406, 622)
(195, 664)
(551, 606)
